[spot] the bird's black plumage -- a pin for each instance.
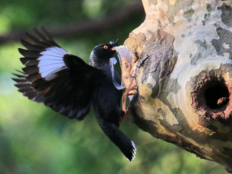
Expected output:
(68, 85)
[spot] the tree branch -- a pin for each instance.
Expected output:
(145, 5)
(120, 17)
(184, 94)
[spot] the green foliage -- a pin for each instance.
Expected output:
(34, 139)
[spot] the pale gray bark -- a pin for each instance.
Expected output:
(184, 75)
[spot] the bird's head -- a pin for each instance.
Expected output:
(103, 52)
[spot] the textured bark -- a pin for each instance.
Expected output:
(184, 76)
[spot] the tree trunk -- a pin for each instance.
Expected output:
(184, 75)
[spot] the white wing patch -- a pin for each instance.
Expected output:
(51, 61)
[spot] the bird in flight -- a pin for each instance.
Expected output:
(66, 84)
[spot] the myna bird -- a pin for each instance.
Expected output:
(66, 84)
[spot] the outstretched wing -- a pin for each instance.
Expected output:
(24, 86)
(62, 81)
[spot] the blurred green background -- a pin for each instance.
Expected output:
(36, 140)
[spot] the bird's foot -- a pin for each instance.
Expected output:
(129, 91)
(128, 112)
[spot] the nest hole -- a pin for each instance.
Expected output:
(217, 96)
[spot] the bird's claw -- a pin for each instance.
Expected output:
(129, 91)
(128, 112)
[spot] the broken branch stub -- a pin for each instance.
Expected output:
(184, 76)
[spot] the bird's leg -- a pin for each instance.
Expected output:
(124, 97)
(129, 91)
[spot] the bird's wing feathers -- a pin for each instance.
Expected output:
(24, 86)
(62, 81)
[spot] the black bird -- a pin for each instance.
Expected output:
(68, 85)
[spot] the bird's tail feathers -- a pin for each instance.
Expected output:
(126, 146)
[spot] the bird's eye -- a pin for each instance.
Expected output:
(105, 47)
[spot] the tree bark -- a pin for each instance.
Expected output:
(184, 75)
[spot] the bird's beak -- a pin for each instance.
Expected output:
(114, 44)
